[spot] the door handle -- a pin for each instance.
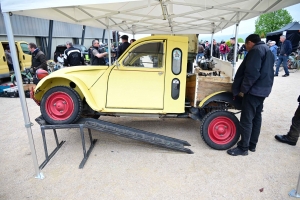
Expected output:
(23, 57)
(4, 59)
(160, 73)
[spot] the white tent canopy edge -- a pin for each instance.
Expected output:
(148, 16)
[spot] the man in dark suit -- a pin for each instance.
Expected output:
(125, 44)
(254, 79)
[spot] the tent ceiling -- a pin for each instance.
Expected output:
(148, 16)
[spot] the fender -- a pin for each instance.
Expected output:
(223, 96)
(49, 82)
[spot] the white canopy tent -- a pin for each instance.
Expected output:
(136, 17)
(148, 16)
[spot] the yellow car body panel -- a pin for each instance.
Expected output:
(129, 89)
(83, 76)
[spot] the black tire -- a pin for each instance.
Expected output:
(215, 125)
(61, 99)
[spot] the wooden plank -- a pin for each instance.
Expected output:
(206, 88)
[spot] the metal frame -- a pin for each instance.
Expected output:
(44, 127)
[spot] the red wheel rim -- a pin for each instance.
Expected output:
(221, 130)
(59, 106)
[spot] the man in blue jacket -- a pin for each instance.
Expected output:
(254, 79)
(292, 136)
(285, 51)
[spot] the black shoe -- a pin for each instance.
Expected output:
(252, 149)
(275, 75)
(237, 152)
(286, 75)
(285, 139)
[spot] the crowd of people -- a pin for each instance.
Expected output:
(220, 50)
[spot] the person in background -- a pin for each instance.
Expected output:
(9, 59)
(292, 136)
(200, 52)
(97, 54)
(72, 56)
(216, 52)
(132, 40)
(223, 50)
(242, 51)
(273, 48)
(231, 53)
(254, 78)
(285, 51)
(125, 44)
(38, 58)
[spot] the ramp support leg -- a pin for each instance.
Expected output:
(58, 145)
(86, 154)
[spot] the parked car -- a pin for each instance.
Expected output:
(24, 57)
(60, 49)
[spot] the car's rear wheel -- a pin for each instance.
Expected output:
(61, 105)
(219, 129)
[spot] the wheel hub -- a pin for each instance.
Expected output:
(59, 106)
(221, 130)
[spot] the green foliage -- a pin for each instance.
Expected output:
(241, 40)
(273, 21)
(228, 43)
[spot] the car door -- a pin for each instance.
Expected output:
(4, 72)
(24, 55)
(138, 83)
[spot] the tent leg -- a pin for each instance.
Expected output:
(235, 47)
(103, 35)
(211, 45)
(117, 39)
(83, 34)
(109, 42)
(28, 124)
(50, 39)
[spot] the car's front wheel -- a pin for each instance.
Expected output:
(61, 105)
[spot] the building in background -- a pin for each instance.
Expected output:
(36, 30)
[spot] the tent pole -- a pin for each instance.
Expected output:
(211, 45)
(28, 124)
(50, 39)
(235, 46)
(109, 43)
(103, 35)
(83, 34)
(117, 38)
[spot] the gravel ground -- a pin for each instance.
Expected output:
(119, 168)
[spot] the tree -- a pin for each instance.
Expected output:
(241, 40)
(273, 21)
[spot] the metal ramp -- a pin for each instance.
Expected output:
(111, 128)
(136, 134)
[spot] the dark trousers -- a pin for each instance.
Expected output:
(250, 121)
(10, 67)
(294, 131)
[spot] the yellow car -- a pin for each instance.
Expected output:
(149, 79)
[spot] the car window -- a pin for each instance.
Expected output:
(25, 49)
(149, 55)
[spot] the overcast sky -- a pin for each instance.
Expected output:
(247, 26)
